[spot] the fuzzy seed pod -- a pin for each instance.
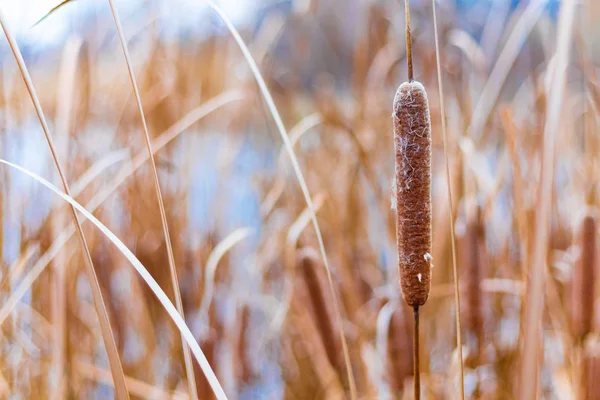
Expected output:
(412, 140)
(582, 289)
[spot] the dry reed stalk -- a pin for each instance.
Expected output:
(535, 291)
(298, 172)
(296, 133)
(498, 75)
(450, 204)
(136, 387)
(138, 161)
(107, 335)
(333, 116)
(210, 343)
(584, 274)
(142, 271)
(27, 253)
(210, 269)
(518, 188)
(187, 356)
(290, 259)
(470, 48)
(63, 128)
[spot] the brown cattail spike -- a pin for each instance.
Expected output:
(472, 253)
(582, 290)
(309, 260)
(412, 139)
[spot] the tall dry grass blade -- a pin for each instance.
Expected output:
(139, 160)
(296, 133)
(97, 169)
(535, 286)
(145, 275)
(68, 72)
(213, 262)
(136, 387)
(107, 335)
(450, 204)
(289, 259)
(19, 265)
(284, 136)
(189, 368)
(491, 90)
(52, 10)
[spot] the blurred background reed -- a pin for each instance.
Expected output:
(252, 281)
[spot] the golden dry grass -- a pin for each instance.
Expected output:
(254, 289)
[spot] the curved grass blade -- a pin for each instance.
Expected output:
(52, 10)
(145, 275)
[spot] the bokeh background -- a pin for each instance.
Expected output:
(253, 284)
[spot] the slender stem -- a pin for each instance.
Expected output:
(112, 352)
(534, 298)
(416, 368)
(450, 203)
(187, 356)
(408, 41)
(302, 182)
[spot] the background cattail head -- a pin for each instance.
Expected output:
(470, 234)
(412, 140)
(399, 348)
(321, 306)
(584, 272)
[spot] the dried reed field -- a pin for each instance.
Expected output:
(341, 199)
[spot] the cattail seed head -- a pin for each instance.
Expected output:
(412, 140)
(309, 272)
(472, 254)
(584, 273)
(400, 339)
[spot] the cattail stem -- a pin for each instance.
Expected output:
(408, 41)
(416, 368)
